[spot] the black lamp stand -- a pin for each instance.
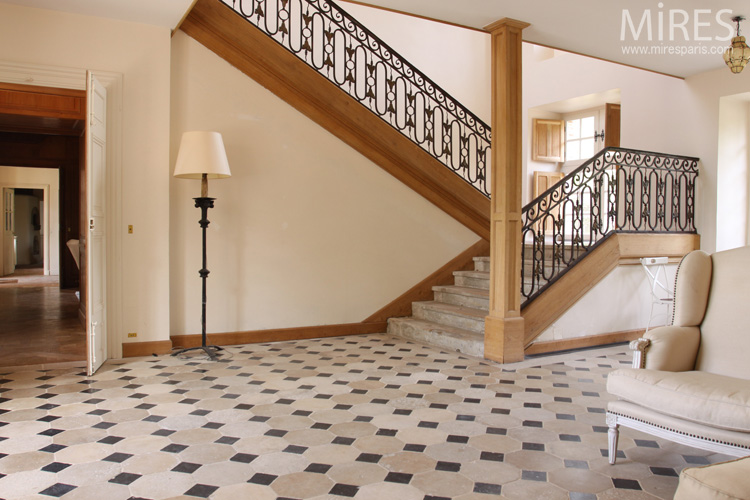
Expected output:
(204, 203)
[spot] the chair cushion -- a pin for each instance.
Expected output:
(705, 398)
(722, 481)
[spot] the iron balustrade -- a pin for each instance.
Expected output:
(350, 56)
(618, 190)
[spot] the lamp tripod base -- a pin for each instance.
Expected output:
(210, 351)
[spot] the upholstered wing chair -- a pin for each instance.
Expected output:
(690, 381)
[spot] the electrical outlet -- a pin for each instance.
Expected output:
(132, 335)
(130, 228)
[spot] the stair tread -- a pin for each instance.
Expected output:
(462, 290)
(467, 312)
(450, 331)
(473, 274)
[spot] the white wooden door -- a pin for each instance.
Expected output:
(9, 228)
(96, 205)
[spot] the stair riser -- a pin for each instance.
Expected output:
(483, 283)
(482, 265)
(402, 328)
(463, 300)
(471, 324)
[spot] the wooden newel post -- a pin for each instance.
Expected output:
(503, 330)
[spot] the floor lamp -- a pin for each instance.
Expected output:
(202, 156)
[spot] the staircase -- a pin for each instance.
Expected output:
(320, 60)
(454, 320)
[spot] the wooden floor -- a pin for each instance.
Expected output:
(38, 321)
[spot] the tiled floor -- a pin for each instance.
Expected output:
(366, 417)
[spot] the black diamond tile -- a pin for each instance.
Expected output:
(626, 484)
(487, 488)
(318, 468)
(581, 496)
(163, 433)
(570, 437)
(321, 425)
(492, 456)
(58, 490)
(448, 466)
(398, 477)
(664, 471)
(227, 440)
(244, 458)
(344, 490)
(174, 448)
(51, 432)
(264, 479)
(276, 433)
(646, 443)
(117, 457)
(243, 407)
(386, 432)
(533, 475)
(369, 458)
(199, 413)
(55, 467)
(576, 464)
(533, 446)
(565, 416)
(302, 413)
(418, 448)
(201, 491)
(497, 430)
(298, 450)
(533, 423)
(343, 440)
(186, 467)
(53, 448)
(110, 440)
(124, 478)
(696, 460)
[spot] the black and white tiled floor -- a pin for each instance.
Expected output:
(366, 417)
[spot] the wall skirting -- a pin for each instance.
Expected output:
(135, 349)
(278, 335)
(583, 342)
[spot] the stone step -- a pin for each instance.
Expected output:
(466, 318)
(476, 298)
(442, 336)
(482, 264)
(472, 279)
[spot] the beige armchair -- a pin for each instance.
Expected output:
(690, 381)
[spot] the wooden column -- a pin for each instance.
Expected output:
(503, 330)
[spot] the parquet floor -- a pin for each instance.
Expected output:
(38, 322)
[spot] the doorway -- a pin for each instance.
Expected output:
(40, 313)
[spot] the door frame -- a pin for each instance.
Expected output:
(47, 219)
(75, 78)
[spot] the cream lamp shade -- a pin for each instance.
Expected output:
(202, 156)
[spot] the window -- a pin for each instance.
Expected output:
(584, 136)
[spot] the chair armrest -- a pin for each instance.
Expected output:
(668, 348)
(639, 351)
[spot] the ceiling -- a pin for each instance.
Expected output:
(590, 27)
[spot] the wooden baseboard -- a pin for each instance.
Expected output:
(281, 334)
(423, 290)
(548, 346)
(136, 349)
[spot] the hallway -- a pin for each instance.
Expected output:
(38, 321)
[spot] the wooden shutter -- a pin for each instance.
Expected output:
(548, 140)
(612, 125)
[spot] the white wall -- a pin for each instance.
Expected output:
(621, 302)
(732, 179)
(141, 53)
(306, 231)
(40, 178)
(457, 59)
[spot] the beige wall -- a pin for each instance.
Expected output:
(306, 231)
(140, 53)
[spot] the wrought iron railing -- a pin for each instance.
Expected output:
(618, 190)
(349, 55)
